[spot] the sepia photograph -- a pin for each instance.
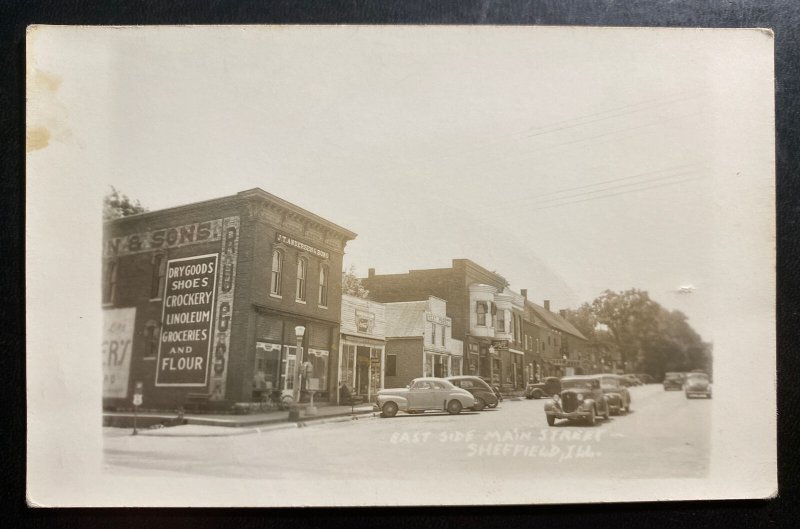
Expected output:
(399, 265)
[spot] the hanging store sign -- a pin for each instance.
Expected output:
(187, 321)
(117, 341)
(301, 245)
(224, 312)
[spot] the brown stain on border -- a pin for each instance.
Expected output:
(36, 138)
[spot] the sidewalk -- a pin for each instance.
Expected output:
(205, 425)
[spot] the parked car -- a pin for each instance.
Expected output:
(581, 398)
(483, 392)
(645, 378)
(496, 390)
(673, 380)
(617, 395)
(630, 380)
(550, 386)
(424, 394)
(697, 384)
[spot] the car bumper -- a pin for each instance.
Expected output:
(704, 392)
(561, 414)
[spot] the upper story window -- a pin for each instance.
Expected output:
(433, 333)
(323, 285)
(501, 320)
(482, 310)
(302, 270)
(159, 272)
(277, 268)
(110, 282)
(444, 329)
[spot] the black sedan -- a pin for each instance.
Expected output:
(483, 392)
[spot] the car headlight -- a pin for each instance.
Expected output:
(556, 398)
(580, 396)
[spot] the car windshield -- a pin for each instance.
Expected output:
(697, 377)
(576, 383)
(610, 382)
(673, 376)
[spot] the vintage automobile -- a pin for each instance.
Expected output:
(424, 394)
(645, 378)
(697, 384)
(483, 392)
(550, 386)
(617, 395)
(581, 398)
(495, 388)
(673, 380)
(630, 380)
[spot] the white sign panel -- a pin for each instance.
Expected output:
(117, 344)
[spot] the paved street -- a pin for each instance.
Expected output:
(664, 436)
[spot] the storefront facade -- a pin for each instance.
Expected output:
(205, 298)
(363, 343)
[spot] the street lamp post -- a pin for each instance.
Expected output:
(294, 409)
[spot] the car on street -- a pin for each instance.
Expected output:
(581, 398)
(630, 380)
(494, 388)
(550, 386)
(673, 380)
(697, 384)
(617, 395)
(483, 392)
(424, 394)
(645, 378)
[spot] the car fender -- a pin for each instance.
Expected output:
(402, 402)
(467, 400)
(548, 405)
(588, 404)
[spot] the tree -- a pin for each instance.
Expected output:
(351, 284)
(117, 204)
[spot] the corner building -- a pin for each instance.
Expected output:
(204, 299)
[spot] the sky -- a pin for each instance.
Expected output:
(569, 163)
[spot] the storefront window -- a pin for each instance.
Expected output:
(456, 363)
(318, 380)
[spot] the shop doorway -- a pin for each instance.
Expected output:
(362, 370)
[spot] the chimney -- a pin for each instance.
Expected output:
(547, 305)
(524, 293)
(563, 313)
(371, 272)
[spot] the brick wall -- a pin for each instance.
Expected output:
(409, 360)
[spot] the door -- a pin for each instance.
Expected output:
(362, 370)
(421, 395)
(287, 368)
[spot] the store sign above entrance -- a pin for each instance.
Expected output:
(174, 237)
(437, 318)
(185, 342)
(365, 322)
(500, 344)
(301, 246)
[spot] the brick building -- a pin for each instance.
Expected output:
(561, 348)
(486, 316)
(205, 298)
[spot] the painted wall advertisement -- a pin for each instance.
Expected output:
(117, 342)
(187, 321)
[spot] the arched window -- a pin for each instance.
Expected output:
(302, 269)
(159, 271)
(277, 267)
(110, 283)
(323, 286)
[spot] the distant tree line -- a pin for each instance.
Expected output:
(643, 335)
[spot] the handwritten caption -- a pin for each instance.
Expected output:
(553, 444)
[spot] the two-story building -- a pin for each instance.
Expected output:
(419, 342)
(205, 298)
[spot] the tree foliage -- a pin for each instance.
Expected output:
(351, 284)
(647, 337)
(117, 204)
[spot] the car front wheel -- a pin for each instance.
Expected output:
(590, 419)
(389, 409)
(454, 407)
(479, 404)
